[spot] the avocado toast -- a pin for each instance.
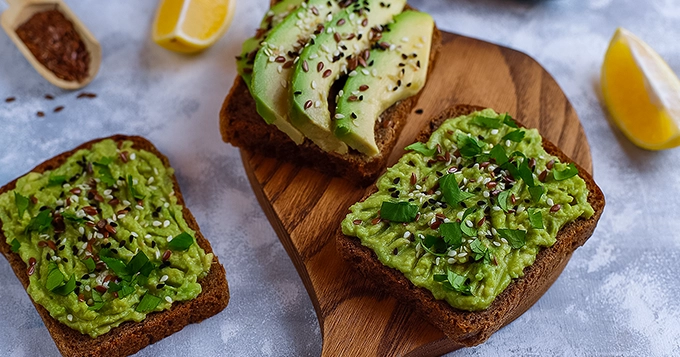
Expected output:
(141, 298)
(473, 266)
(336, 63)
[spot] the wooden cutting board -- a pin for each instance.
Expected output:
(306, 207)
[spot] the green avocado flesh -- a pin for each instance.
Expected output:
(278, 12)
(274, 63)
(465, 213)
(346, 36)
(403, 56)
(103, 238)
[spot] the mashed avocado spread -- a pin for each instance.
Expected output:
(464, 214)
(103, 238)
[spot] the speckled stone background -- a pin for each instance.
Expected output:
(618, 295)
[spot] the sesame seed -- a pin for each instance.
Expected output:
(313, 84)
(496, 208)
(507, 143)
(134, 234)
(166, 223)
(164, 278)
(353, 73)
(81, 230)
(169, 238)
(494, 131)
(317, 104)
(496, 244)
(468, 223)
(69, 317)
(156, 223)
(550, 202)
(339, 116)
(133, 156)
(451, 261)
(139, 207)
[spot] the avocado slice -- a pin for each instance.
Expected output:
(396, 69)
(276, 14)
(274, 63)
(335, 52)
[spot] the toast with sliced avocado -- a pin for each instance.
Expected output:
(474, 223)
(293, 107)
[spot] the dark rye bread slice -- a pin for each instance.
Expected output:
(130, 336)
(472, 328)
(242, 126)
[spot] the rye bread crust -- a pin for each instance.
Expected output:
(130, 336)
(242, 126)
(472, 328)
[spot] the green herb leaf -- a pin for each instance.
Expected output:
(468, 231)
(15, 245)
(478, 248)
(148, 303)
(104, 172)
(55, 278)
(434, 245)
(536, 192)
(55, 180)
(71, 217)
(503, 200)
(525, 173)
(468, 212)
(133, 191)
(40, 223)
(66, 288)
(147, 269)
(420, 148)
(98, 302)
(516, 237)
(458, 283)
(402, 212)
(105, 161)
(536, 218)
(498, 154)
(487, 122)
(440, 278)
(451, 191)
(569, 172)
(183, 241)
(468, 146)
(21, 202)
(137, 263)
(515, 135)
(89, 264)
(116, 265)
(452, 234)
(507, 120)
(124, 288)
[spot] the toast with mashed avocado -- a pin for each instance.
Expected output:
(474, 223)
(330, 84)
(109, 254)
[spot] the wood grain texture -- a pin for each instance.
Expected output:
(305, 207)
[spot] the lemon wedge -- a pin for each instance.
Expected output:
(190, 26)
(641, 93)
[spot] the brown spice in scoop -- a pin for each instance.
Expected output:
(55, 43)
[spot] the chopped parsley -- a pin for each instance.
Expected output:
(451, 191)
(516, 237)
(535, 218)
(452, 234)
(395, 212)
(22, 203)
(148, 303)
(420, 148)
(569, 172)
(516, 136)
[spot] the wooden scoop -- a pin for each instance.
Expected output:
(20, 11)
